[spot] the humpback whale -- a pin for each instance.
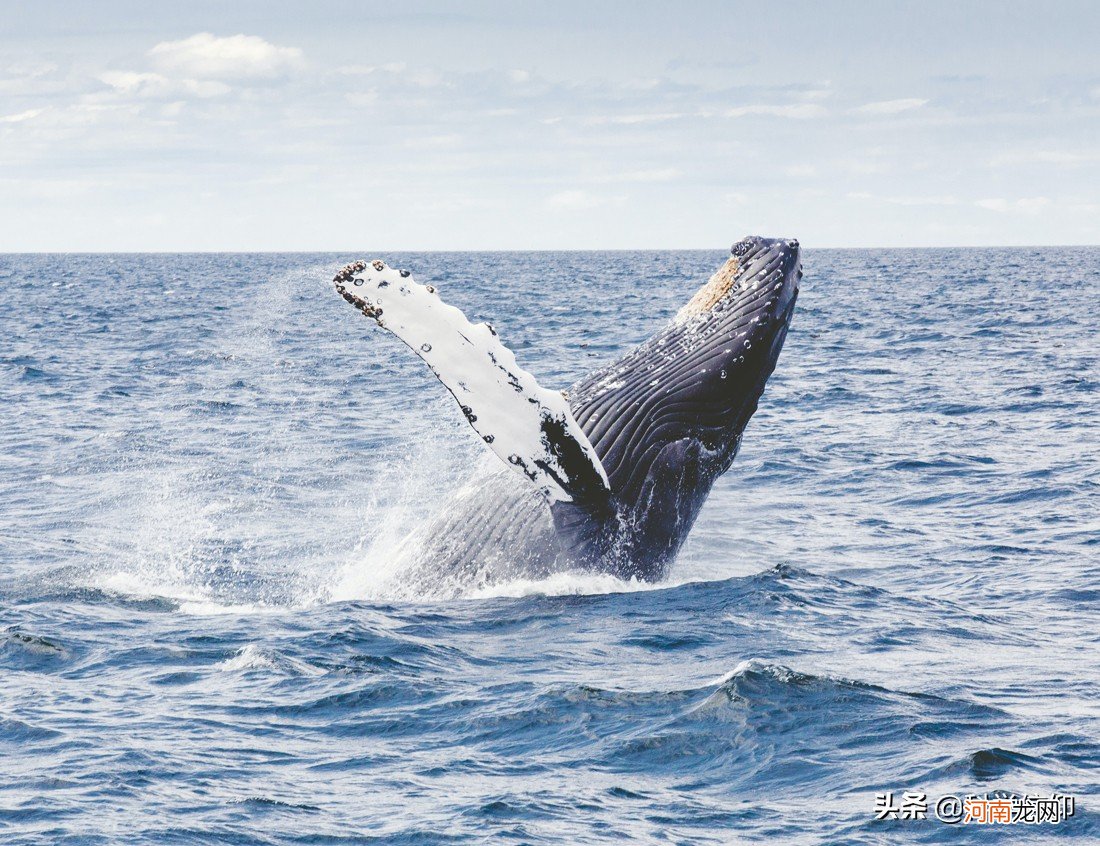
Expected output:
(609, 475)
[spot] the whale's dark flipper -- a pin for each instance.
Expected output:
(531, 428)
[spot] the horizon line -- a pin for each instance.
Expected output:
(532, 250)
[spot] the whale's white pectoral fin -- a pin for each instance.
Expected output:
(530, 427)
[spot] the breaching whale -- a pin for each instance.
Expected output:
(609, 475)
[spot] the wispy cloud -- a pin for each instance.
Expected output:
(915, 200)
(660, 174)
(19, 117)
(1054, 157)
(446, 141)
(626, 120)
(1024, 205)
(155, 85)
(890, 107)
(797, 111)
(576, 200)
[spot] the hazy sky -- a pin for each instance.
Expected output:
(402, 125)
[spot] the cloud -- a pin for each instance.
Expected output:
(443, 141)
(933, 200)
(864, 166)
(663, 174)
(24, 77)
(631, 119)
(890, 107)
(29, 68)
(940, 200)
(1025, 205)
(155, 86)
(206, 56)
(578, 200)
(20, 117)
(35, 79)
(797, 111)
(51, 189)
(1057, 157)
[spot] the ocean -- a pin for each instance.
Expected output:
(208, 461)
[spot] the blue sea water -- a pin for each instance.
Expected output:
(208, 461)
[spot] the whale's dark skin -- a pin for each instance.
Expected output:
(666, 420)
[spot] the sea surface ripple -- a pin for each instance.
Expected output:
(208, 460)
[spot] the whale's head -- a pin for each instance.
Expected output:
(723, 344)
(667, 419)
(760, 275)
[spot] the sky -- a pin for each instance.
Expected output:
(351, 126)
